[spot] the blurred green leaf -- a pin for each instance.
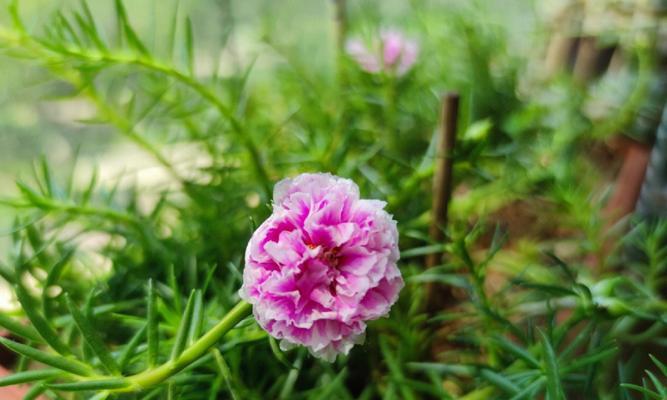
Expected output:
(19, 329)
(125, 28)
(553, 383)
(152, 325)
(500, 381)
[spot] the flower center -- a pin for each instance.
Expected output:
(330, 257)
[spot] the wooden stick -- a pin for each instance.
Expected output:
(564, 27)
(341, 22)
(586, 61)
(618, 60)
(558, 51)
(624, 199)
(442, 178)
(629, 181)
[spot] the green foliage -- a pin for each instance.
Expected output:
(122, 284)
(658, 389)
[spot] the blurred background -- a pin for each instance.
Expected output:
(586, 69)
(37, 121)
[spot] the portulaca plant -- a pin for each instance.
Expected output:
(227, 266)
(316, 270)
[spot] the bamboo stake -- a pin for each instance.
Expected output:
(618, 60)
(586, 61)
(558, 51)
(624, 198)
(564, 27)
(442, 178)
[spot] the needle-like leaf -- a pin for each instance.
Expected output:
(197, 318)
(92, 338)
(52, 278)
(184, 327)
(554, 388)
(92, 385)
(18, 329)
(56, 361)
(29, 376)
(152, 325)
(130, 347)
(39, 322)
(500, 381)
(129, 34)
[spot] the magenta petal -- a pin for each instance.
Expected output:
(323, 297)
(358, 261)
(374, 304)
(392, 46)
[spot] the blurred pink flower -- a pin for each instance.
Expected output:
(322, 265)
(395, 53)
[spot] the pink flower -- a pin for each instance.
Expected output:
(395, 53)
(322, 265)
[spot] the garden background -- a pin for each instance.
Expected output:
(140, 141)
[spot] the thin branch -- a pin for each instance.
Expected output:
(442, 179)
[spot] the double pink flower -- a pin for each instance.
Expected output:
(322, 265)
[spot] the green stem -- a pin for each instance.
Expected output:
(390, 111)
(54, 205)
(155, 376)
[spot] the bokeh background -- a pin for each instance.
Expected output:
(561, 104)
